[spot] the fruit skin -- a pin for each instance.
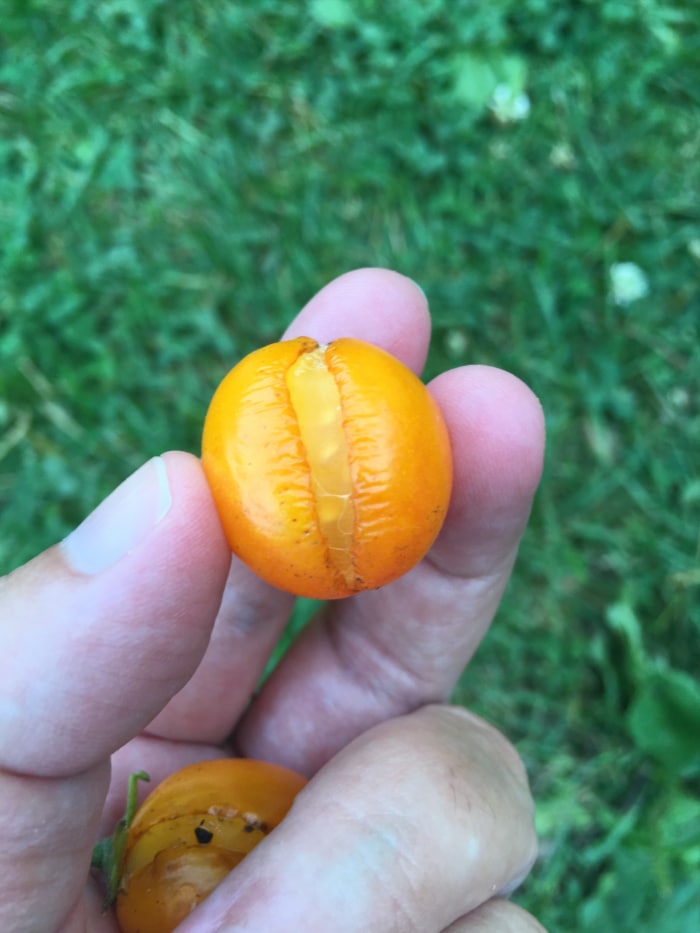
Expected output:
(258, 470)
(191, 831)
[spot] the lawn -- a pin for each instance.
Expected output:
(176, 179)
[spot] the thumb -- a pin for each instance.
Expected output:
(100, 631)
(96, 634)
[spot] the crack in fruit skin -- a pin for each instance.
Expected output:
(316, 402)
(330, 466)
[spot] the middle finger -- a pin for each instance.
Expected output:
(385, 652)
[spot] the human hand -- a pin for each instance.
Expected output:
(138, 640)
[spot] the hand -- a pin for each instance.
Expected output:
(137, 640)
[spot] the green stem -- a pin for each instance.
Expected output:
(108, 853)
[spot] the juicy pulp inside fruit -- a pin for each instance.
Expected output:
(234, 834)
(316, 401)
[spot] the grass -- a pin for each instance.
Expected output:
(177, 179)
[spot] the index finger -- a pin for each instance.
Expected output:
(378, 305)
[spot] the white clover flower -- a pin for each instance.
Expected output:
(456, 342)
(628, 283)
(509, 105)
(562, 156)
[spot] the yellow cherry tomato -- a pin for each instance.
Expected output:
(191, 831)
(330, 465)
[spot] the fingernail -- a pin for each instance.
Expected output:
(121, 521)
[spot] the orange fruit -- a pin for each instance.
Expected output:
(330, 465)
(191, 831)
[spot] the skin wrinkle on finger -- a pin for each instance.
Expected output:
(424, 669)
(359, 677)
(414, 824)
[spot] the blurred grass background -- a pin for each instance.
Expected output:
(177, 178)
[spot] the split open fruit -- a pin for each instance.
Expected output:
(330, 465)
(191, 831)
